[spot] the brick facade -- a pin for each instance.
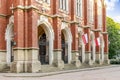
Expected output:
(30, 19)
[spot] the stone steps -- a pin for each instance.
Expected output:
(49, 68)
(69, 66)
(6, 70)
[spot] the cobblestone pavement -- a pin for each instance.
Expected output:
(112, 73)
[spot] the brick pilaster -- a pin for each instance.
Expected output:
(19, 24)
(32, 29)
(97, 34)
(3, 23)
(57, 31)
(87, 46)
(74, 31)
(95, 15)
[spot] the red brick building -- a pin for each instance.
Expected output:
(50, 32)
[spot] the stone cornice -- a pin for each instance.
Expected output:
(66, 21)
(88, 52)
(40, 13)
(74, 51)
(97, 52)
(86, 27)
(2, 50)
(30, 7)
(55, 50)
(3, 15)
(96, 30)
(63, 20)
(74, 22)
(57, 15)
(104, 32)
(30, 48)
(24, 7)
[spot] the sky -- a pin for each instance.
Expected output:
(113, 9)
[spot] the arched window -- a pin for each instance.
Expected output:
(63, 4)
(79, 8)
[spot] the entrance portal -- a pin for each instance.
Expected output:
(42, 49)
(81, 48)
(45, 40)
(64, 49)
(43, 46)
(9, 43)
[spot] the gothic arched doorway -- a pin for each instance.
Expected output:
(45, 29)
(64, 46)
(43, 46)
(66, 42)
(9, 43)
(81, 48)
(9, 36)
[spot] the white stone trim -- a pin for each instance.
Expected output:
(40, 1)
(64, 5)
(79, 8)
(93, 46)
(68, 39)
(102, 47)
(80, 32)
(25, 7)
(83, 51)
(90, 11)
(9, 34)
(99, 13)
(49, 34)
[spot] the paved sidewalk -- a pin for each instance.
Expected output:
(54, 73)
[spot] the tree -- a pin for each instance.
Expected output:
(114, 37)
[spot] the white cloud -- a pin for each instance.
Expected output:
(111, 4)
(117, 19)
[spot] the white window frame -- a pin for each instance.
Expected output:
(63, 4)
(78, 8)
(90, 12)
(47, 1)
(99, 13)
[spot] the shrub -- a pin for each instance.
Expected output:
(115, 61)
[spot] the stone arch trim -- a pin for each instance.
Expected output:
(9, 27)
(81, 32)
(48, 28)
(9, 34)
(102, 47)
(67, 33)
(50, 36)
(68, 38)
(92, 35)
(102, 40)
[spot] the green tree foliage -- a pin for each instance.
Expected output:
(114, 37)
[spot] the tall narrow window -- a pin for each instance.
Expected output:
(79, 8)
(90, 11)
(99, 12)
(63, 4)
